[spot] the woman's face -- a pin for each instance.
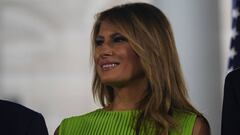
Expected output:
(116, 63)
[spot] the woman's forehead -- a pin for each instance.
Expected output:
(109, 27)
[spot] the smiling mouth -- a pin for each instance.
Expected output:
(106, 67)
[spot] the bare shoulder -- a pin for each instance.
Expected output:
(201, 126)
(56, 131)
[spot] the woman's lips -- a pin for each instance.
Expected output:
(109, 66)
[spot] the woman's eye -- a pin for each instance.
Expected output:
(99, 41)
(119, 38)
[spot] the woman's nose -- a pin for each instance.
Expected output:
(105, 51)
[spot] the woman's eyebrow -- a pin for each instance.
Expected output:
(115, 34)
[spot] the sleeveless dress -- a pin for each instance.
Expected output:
(102, 122)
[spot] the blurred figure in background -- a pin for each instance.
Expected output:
(16, 119)
(138, 79)
(231, 104)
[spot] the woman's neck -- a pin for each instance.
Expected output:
(128, 98)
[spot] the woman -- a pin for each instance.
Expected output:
(137, 78)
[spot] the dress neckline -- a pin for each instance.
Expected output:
(118, 111)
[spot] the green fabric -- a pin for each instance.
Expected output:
(101, 122)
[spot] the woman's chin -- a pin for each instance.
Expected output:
(109, 82)
(112, 82)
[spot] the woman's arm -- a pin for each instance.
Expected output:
(201, 127)
(56, 131)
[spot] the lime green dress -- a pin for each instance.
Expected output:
(102, 122)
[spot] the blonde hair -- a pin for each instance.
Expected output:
(150, 36)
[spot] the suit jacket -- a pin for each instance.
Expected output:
(16, 119)
(231, 104)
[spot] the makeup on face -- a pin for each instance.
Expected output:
(116, 62)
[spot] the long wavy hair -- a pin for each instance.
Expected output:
(150, 35)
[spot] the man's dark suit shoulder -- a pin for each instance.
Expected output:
(20, 120)
(231, 104)
(233, 76)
